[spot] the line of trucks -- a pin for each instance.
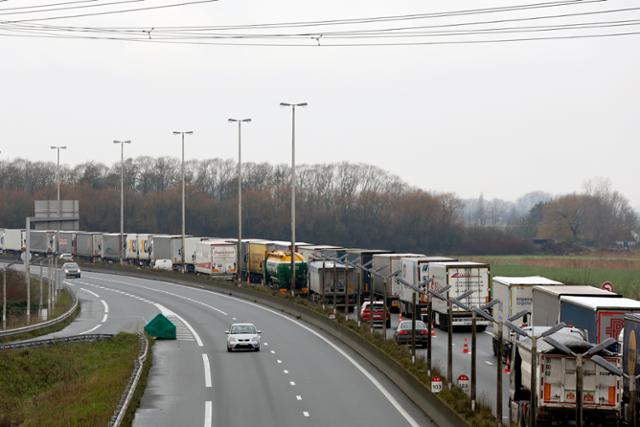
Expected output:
(328, 272)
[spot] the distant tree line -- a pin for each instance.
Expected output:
(354, 205)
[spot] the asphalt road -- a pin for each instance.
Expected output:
(299, 378)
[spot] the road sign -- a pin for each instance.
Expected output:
(436, 385)
(607, 286)
(463, 383)
(23, 256)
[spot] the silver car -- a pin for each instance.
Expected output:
(243, 336)
(71, 269)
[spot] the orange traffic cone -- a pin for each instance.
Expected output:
(507, 365)
(465, 347)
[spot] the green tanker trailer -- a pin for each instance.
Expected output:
(277, 268)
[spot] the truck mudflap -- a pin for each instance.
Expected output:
(563, 416)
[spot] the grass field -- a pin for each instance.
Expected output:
(622, 269)
(76, 384)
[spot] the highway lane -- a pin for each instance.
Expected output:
(299, 378)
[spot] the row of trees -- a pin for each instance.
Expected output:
(346, 204)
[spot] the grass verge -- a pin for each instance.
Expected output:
(76, 384)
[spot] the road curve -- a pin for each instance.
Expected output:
(300, 377)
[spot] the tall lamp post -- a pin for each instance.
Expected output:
(122, 244)
(55, 250)
(293, 189)
(183, 133)
(239, 263)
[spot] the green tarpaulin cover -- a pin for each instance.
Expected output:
(161, 327)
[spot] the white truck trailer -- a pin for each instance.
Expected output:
(462, 276)
(111, 246)
(385, 265)
(327, 281)
(556, 383)
(515, 294)
(216, 258)
(546, 301)
(144, 248)
(416, 272)
(131, 248)
(14, 240)
(165, 246)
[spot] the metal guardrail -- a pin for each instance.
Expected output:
(52, 341)
(125, 400)
(36, 326)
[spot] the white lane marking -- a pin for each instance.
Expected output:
(279, 361)
(207, 370)
(165, 311)
(285, 371)
(68, 283)
(90, 330)
(208, 413)
(106, 306)
(266, 344)
(488, 363)
(233, 318)
(305, 413)
(273, 352)
(298, 397)
(91, 292)
(292, 383)
(410, 420)
(104, 318)
(165, 292)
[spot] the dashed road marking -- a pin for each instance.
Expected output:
(207, 370)
(177, 319)
(104, 318)
(106, 306)
(279, 361)
(90, 330)
(292, 383)
(488, 363)
(285, 371)
(305, 413)
(266, 344)
(208, 413)
(91, 292)
(273, 352)
(298, 397)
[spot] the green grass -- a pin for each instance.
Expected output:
(77, 384)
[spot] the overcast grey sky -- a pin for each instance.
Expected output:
(499, 119)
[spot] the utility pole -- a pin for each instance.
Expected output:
(122, 242)
(293, 191)
(55, 250)
(239, 262)
(183, 133)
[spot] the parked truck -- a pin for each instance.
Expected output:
(165, 246)
(631, 363)
(546, 301)
(67, 242)
(316, 252)
(327, 282)
(600, 318)
(385, 265)
(111, 246)
(87, 246)
(216, 258)
(256, 254)
(556, 383)
(416, 272)
(131, 248)
(42, 241)
(462, 276)
(364, 257)
(14, 240)
(277, 271)
(515, 294)
(144, 242)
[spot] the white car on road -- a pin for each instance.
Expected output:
(243, 336)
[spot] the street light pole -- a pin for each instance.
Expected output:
(122, 244)
(183, 133)
(58, 148)
(239, 263)
(293, 190)
(55, 250)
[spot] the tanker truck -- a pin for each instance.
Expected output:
(277, 271)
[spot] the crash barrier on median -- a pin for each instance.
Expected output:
(41, 325)
(53, 341)
(127, 395)
(411, 386)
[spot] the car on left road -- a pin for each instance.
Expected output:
(71, 269)
(243, 336)
(66, 257)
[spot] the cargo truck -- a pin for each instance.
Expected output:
(131, 248)
(416, 272)
(546, 301)
(111, 246)
(385, 265)
(462, 276)
(327, 281)
(190, 249)
(43, 241)
(144, 248)
(315, 252)
(256, 254)
(87, 246)
(14, 240)
(67, 242)
(631, 362)
(216, 258)
(556, 383)
(277, 271)
(600, 318)
(165, 246)
(364, 257)
(515, 294)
